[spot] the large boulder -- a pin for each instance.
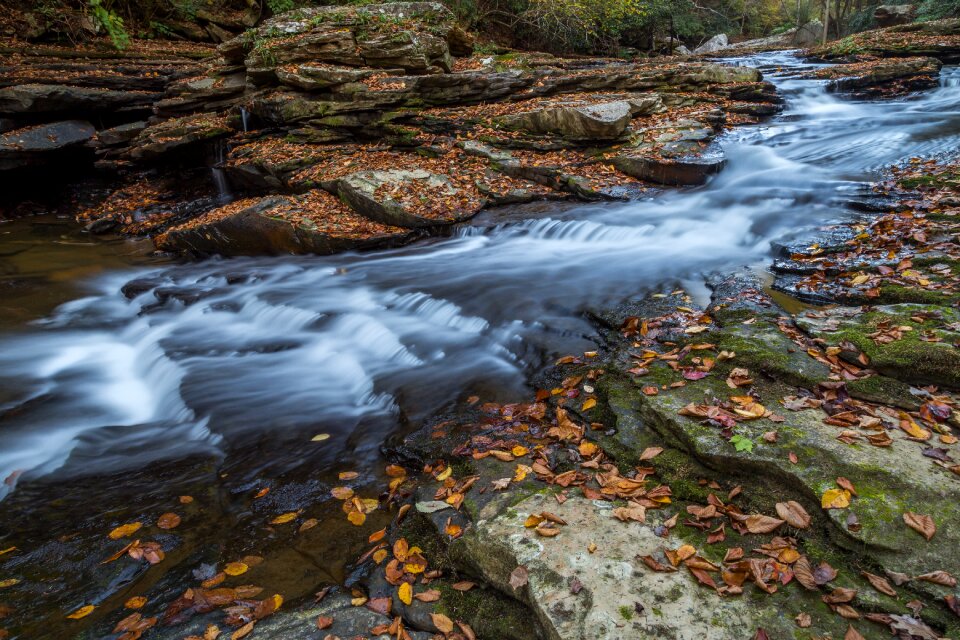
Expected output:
(314, 222)
(714, 44)
(604, 121)
(888, 15)
(34, 145)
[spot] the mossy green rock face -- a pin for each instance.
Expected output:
(909, 358)
(889, 480)
(620, 596)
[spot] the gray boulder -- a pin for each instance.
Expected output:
(714, 44)
(888, 15)
(605, 121)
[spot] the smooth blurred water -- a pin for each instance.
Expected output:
(251, 357)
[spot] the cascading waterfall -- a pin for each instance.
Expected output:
(224, 195)
(219, 350)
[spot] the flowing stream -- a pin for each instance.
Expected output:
(247, 359)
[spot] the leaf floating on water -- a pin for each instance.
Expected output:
(82, 612)
(125, 530)
(320, 437)
(186, 499)
(924, 525)
(7, 550)
(136, 602)
(308, 524)
(235, 569)
(9, 582)
(169, 521)
(285, 518)
(348, 475)
(357, 517)
(342, 493)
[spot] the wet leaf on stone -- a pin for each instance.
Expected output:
(922, 524)
(794, 514)
(518, 577)
(324, 622)
(168, 521)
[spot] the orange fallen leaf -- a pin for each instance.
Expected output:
(82, 612)
(924, 525)
(168, 521)
(125, 530)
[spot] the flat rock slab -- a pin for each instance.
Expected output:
(28, 146)
(620, 597)
(886, 77)
(170, 135)
(311, 223)
(404, 198)
(55, 98)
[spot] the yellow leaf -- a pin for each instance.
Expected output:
(124, 530)
(320, 437)
(357, 517)
(235, 569)
(590, 403)
(285, 518)
(519, 451)
(136, 602)
(532, 521)
(9, 549)
(379, 555)
(9, 582)
(405, 593)
(82, 612)
(521, 472)
(443, 475)
(835, 499)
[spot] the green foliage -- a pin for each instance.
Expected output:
(937, 9)
(282, 6)
(742, 443)
(862, 20)
(110, 22)
(580, 25)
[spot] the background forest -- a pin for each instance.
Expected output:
(613, 27)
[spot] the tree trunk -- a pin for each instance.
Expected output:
(826, 19)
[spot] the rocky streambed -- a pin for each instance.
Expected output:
(551, 419)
